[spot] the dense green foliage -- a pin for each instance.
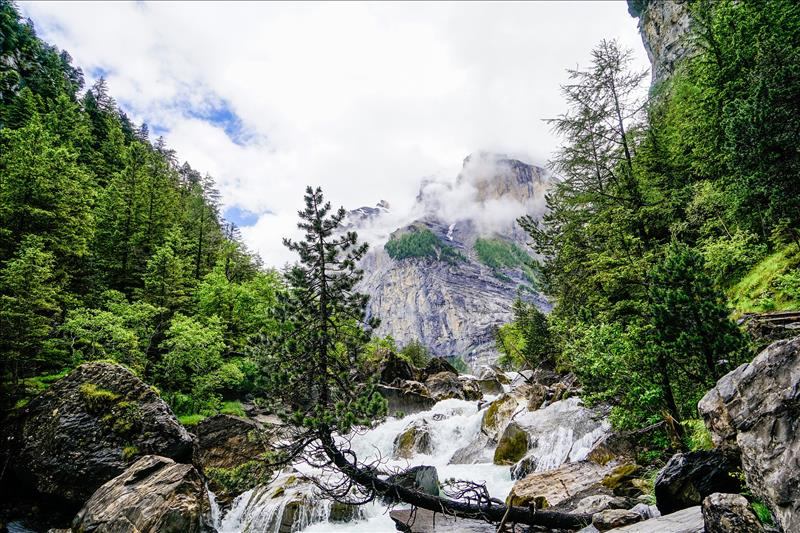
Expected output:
(420, 242)
(109, 249)
(527, 341)
(669, 210)
(500, 254)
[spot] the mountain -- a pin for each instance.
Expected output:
(450, 275)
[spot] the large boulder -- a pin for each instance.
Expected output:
(445, 385)
(685, 521)
(687, 478)
(422, 478)
(405, 400)
(393, 368)
(153, 494)
(231, 453)
(754, 412)
(552, 487)
(729, 513)
(498, 415)
(414, 439)
(613, 518)
(512, 446)
(437, 365)
(88, 428)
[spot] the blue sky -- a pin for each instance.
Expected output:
(363, 99)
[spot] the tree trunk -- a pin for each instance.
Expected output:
(491, 512)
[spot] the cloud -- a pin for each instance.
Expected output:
(361, 98)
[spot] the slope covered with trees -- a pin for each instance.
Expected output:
(109, 248)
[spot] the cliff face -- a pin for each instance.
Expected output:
(453, 302)
(664, 26)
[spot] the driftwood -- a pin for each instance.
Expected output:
(490, 511)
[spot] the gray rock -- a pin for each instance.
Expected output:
(480, 450)
(414, 439)
(154, 494)
(684, 521)
(552, 487)
(405, 401)
(729, 513)
(646, 511)
(614, 518)
(490, 386)
(754, 412)
(89, 427)
(422, 478)
(445, 385)
(600, 502)
(687, 478)
(664, 27)
(512, 446)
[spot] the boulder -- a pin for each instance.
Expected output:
(471, 387)
(230, 451)
(646, 511)
(512, 446)
(437, 365)
(552, 487)
(621, 480)
(88, 428)
(404, 401)
(687, 478)
(480, 450)
(490, 386)
(688, 520)
(422, 478)
(729, 513)
(536, 395)
(445, 385)
(613, 518)
(393, 368)
(754, 413)
(498, 415)
(414, 439)
(153, 494)
(600, 502)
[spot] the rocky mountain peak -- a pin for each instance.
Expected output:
(496, 176)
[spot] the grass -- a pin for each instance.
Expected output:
(233, 408)
(697, 435)
(191, 420)
(765, 288)
(762, 512)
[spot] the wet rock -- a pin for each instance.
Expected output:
(471, 387)
(480, 450)
(688, 520)
(687, 478)
(88, 428)
(729, 513)
(621, 480)
(230, 451)
(600, 502)
(552, 487)
(445, 385)
(437, 365)
(405, 401)
(414, 439)
(646, 511)
(422, 478)
(154, 494)
(498, 415)
(536, 396)
(490, 386)
(614, 518)
(612, 447)
(754, 413)
(526, 465)
(512, 446)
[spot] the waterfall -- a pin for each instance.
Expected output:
(564, 431)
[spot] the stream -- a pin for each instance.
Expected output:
(561, 432)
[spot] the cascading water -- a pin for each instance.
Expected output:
(565, 432)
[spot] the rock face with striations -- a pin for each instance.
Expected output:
(452, 299)
(754, 412)
(664, 27)
(154, 494)
(89, 427)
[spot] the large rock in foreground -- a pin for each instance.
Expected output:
(685, 521)
(729, 513)
(754, 412)
(687, 478)
(89, 427)
(549, 488)
(154, 494)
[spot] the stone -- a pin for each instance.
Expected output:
(394, 368)
(612, 447)
(403, 401)
(614, 518)
(423, 478)
(414, 439)
(445, 385)
(646, 511)
(552, 487)
(480, 450)
(490, 386)
(687, 478)
(753, 413)
(436, 365)
(471, 387)
(153, 494)
(600, 502)
(536, 396)
(729, 513)
(88, 427)
(688, 520)
(664, 27)
(424, 521)
(620, 480)
(512, 446)
(498, 415)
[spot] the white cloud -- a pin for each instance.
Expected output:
(361, 98)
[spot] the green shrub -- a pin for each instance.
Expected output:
(729, 258)
(762, 512)
(416, 354)
(697, 435)
(233, 408)
(498, 254)
(191, 420)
